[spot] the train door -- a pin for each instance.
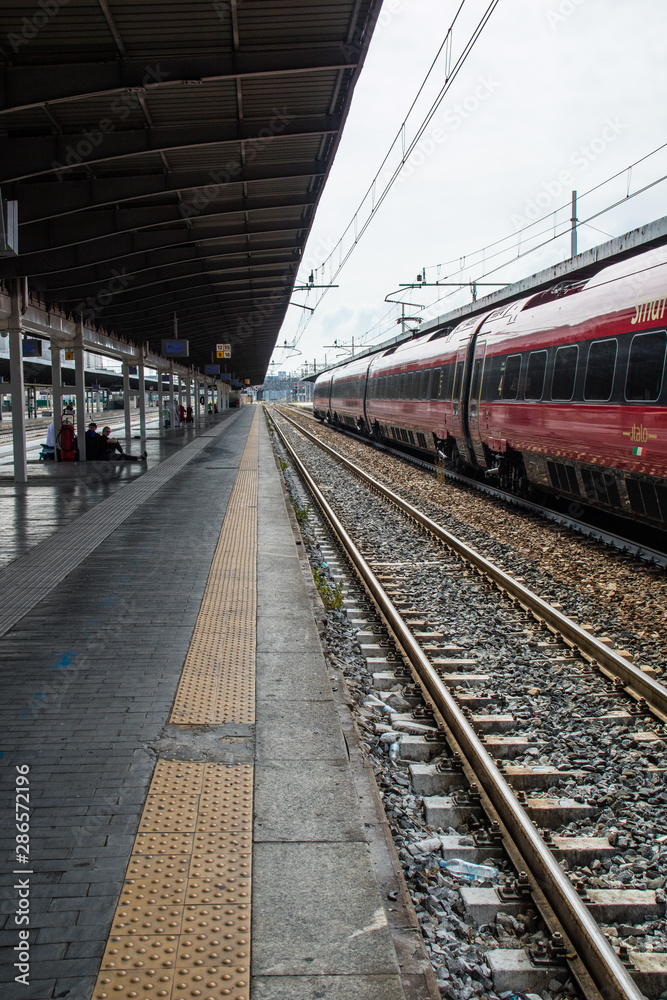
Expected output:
(457, 393)
(462, 375)
(475, 412)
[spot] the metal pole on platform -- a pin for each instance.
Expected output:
(159, 399)
(171, 393)
(80, 392)
(126, 406)
(17, 390)
(56, 385)
(188, 393)
(142, 405)
(196, 395)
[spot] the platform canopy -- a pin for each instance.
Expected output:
(167, 157)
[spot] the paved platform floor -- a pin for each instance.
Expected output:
(59, 492)
(92, 672)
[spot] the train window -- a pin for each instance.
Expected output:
(600, 370)
(435, 383)
(476, 379)
(425, 386)
(491, 379)
(565, 370)
(537, 367)
(511, 374)
(457, 380)
(446, 382)
(645, 366)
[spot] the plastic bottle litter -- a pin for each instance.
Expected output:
(394, 751)
(476, 873)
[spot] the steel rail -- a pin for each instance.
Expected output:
(642, 684)
(602, 963)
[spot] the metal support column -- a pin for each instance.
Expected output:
(127, 406)
(188, 394)
(80, 392)
(160, 422)
(171, 394)
(196, 398)
(18, 392)
(142, 406)
(56, 387)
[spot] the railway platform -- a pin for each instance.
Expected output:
(186, 812)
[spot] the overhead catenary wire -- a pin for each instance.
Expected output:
(406, 150)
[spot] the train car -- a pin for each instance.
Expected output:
(564, 390)
(348, 394)
(322, 397)
(568, 389)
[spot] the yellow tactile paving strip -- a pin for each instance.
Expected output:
(218, 680)
(181, 930)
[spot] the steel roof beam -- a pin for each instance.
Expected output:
(82, 295)
(51, 199)
(189, 263)
(138, 253)
(22, 88)
(175, 298)
(45, 154)
(108, 223)
(160, 313)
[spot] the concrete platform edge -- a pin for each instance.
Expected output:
(416, 973)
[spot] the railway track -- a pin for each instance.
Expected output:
(636, 545)
(465, 719)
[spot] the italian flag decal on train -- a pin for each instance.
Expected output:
(638, 451)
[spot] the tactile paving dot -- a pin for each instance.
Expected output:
(143, 951)
(164, 843)
(130, 984)
(137, 918)
(173, 813)
(228, 924)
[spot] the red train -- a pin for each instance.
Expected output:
(564, 390)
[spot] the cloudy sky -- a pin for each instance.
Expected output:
(555, 95)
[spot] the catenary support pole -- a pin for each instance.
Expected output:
(573, 242)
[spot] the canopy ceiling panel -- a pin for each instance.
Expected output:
(182, 144)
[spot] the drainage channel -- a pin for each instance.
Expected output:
(446, 733)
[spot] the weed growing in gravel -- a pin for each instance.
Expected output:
(283, 464)
(332, 597)
(300, 513)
